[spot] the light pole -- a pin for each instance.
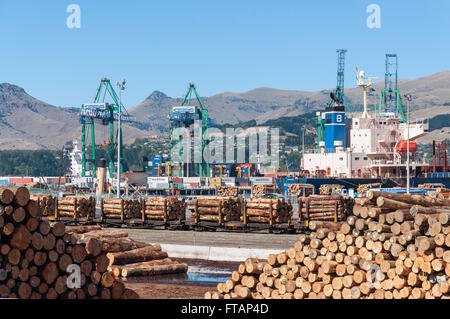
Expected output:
(408, 101)
(119, 138)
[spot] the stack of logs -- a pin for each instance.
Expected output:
(301, 189)
(227, 191)
(261, 189)
(441, 192)
(363, 188)
(46, 203)
(267, 210)
(35, 257)
(384, 252)
(164, 208)
(431, 185)
(324, 208)
(120, 208)
(75, 207)
(216, 209)
(326, 189)
(129, 258)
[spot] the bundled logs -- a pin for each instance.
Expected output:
(46, 203)
(120, 208)
(381, 252)
(324, 208)
(363, 188)
(261, 189)
(216, 209)
(441, 192)
(110, 240)
(326, 189)
(227, 191)
(431, 185)
(126, 257)
(164, 208)
(35, 257)
(146, 261)
(301, 189)
(267, 210)
(75, 207)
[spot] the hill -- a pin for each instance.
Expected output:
(28, 123)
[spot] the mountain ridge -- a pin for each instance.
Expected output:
(29, 123)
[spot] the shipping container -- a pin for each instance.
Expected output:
(20, 180)
(157, 179)
(191, 180)
(261, 180)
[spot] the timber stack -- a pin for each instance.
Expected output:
(126, 257)
(46, 203)
(441, 192)
(395, 247)
(261, 189)
(164, 208)
(216, 209)
(326, 189)
(120, 208)
(75, 207)
(111, 240)
(267, 210)
(363, 188)
(145, 261)
(227, 191)
(324, 208)
(36, 257)
(301, 189)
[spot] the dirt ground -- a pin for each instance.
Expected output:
(169, 290)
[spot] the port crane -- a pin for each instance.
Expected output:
(102, 113)
(390, 98)
(183, 117)
(337, 97)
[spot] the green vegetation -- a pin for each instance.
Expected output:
(439, 121)
(47, 162)
(31, 163)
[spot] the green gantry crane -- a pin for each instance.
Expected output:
(103, 113)
(390, 98)
(184, 117)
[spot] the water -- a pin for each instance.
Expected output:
(198, 274)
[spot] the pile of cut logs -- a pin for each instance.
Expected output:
(36, 258)
(326, 189)
(126, 257)
(363, 188)
(267, 210)
(394, 247)
(261, 189)
(227, 191)
(46, 203)
(431, 185)
(216, 209)
(324, 208)
(164, 208)
(75, 207)
(301, 189)
(120, 208)
(441, 192)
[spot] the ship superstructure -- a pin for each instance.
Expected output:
(365, 145)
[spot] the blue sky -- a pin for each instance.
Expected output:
(220, 45)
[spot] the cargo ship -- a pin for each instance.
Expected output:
(370, 148)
